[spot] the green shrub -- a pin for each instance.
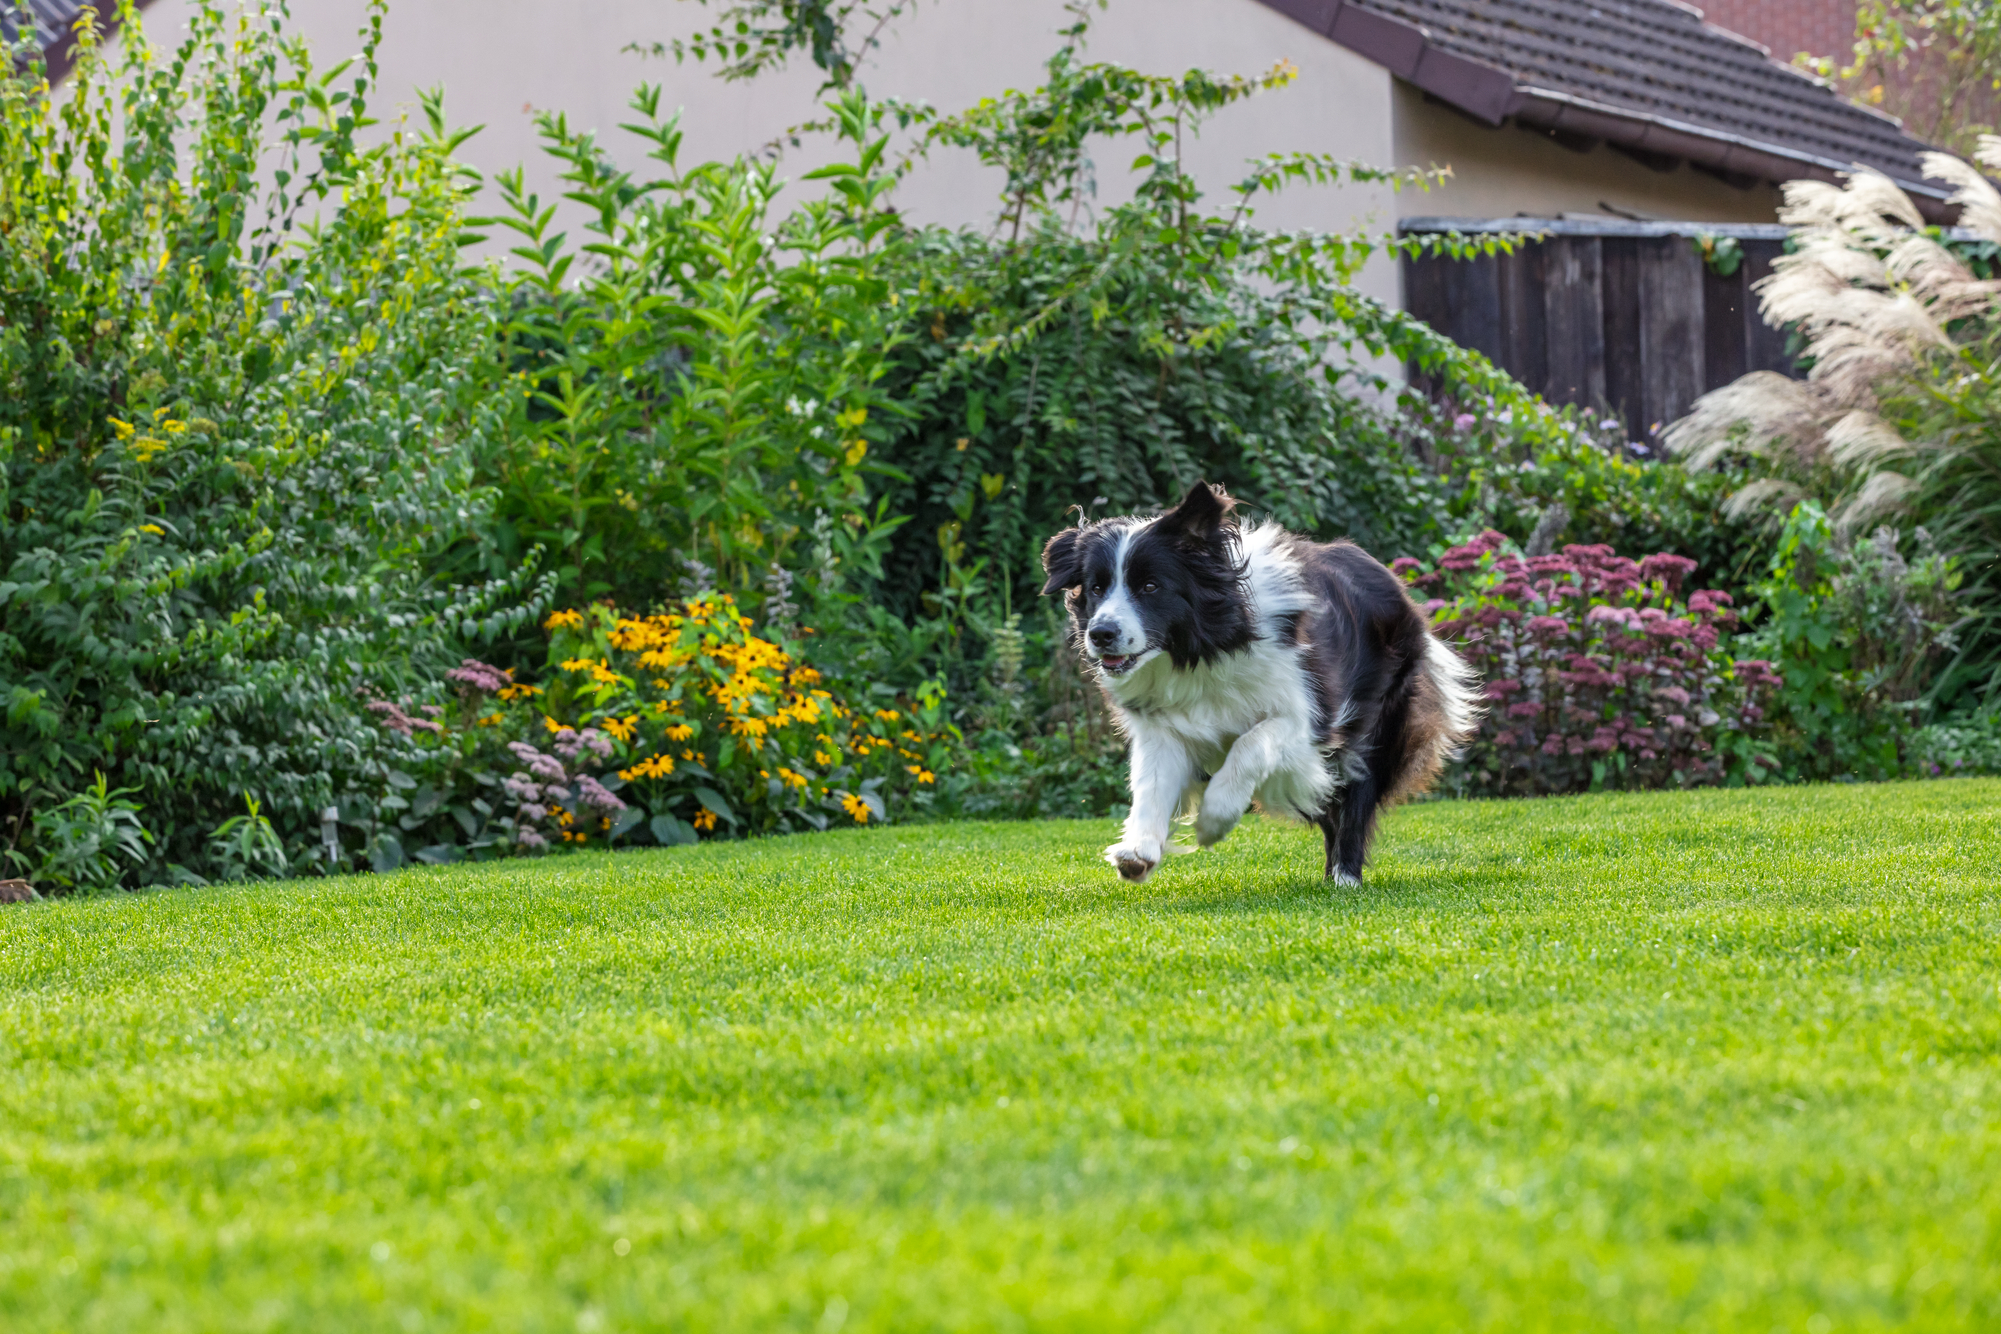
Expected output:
(705, 385)
(1860, 633)
(1109, 359)
(236, 422)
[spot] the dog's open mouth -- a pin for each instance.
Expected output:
(1116, 663)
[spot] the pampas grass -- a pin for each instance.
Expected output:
(1897, 413)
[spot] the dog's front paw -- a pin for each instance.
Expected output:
(1135, 861)
(1215, 820)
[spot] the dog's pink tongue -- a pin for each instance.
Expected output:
(1114, 660)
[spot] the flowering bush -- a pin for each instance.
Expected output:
(714, 726)
(1597, 675)
(655, 729)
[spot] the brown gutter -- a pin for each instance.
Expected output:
(1492, 95)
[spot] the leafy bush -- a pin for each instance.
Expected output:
(1960, 746)
(88, 842)
(1109, 359)
(1860, 633)
(236, 423)
(1567, 476)
(704, 386)
(1598, 675)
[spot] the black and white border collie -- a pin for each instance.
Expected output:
(1249, 664)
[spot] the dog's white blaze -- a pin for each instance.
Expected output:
(1246, 719)
(1118, 610)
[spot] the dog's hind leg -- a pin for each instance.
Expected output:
(1348, 825)
(1351, 822)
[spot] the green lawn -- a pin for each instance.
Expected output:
(1718, 1061)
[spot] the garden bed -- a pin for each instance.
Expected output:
(1721, 1059)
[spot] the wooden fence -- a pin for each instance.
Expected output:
(1624, 317)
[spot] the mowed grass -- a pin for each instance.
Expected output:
(1721, 1061)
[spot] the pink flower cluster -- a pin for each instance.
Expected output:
(549, 786)
(393, 717)
(478, 678)
(1597, 675)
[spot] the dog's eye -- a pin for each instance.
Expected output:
(1098, 589)
(1148, 586)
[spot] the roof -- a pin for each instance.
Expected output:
(53, 22)
(1647, 76)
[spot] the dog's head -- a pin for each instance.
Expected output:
(1138, 588)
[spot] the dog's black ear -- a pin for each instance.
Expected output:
(1063, 561)
(1201, 514)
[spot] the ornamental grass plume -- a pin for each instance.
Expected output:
(1898, 411)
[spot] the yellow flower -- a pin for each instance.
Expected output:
(791, 778)
(622, 728)
(927, 777)
(153, 528)
(551, 723)
(124, 429)
(491, 720)
(659, 766)
(579, 664)
(751, 727)
(559, 619)
(519, 692)
(690, 756)
(705, 819)
(888, 715)
(680, 732)
(856, 807)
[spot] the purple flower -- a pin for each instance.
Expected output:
(478, 677)
(592, 793)
(519, 787)
(529, 838)
(396, 720)
(544, 767)
(1463, 422)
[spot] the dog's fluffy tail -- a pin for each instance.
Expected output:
(1456, 684)
(1444, 715)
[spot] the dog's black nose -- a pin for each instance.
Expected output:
(1104, 637)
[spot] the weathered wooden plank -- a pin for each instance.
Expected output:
(1764, 346)
(1670, 273)
(1723, 327)
(1424, 299)
(1619, 298)
(1574, 321)
(1524, 344)
(1472, 300)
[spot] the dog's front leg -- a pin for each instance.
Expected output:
(1160, 773)
(1260, 752)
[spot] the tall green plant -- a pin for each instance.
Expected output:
(699, 380)
(234, 428)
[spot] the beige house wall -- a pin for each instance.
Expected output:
(1506, 172)
(502, 60)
